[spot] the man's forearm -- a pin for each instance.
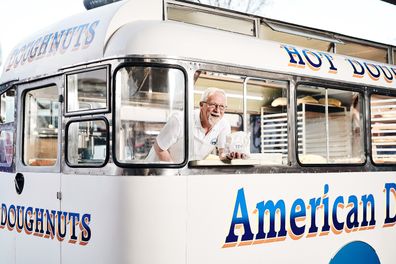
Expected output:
(163, 155)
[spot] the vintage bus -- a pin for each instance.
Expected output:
(83, 101)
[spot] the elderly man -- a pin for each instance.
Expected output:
(210, 131)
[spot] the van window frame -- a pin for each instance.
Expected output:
(56, 81)
(376, 91)
(68, 113)
(186, 116)
(247, 75)
(10, 127)
(342, 87)
(87, 119)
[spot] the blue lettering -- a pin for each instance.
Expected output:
(390, 191)
(293, 52)
(373, 75)
(387, 74)
(91, 33)
(240, 205)
(44, 44)
(297, 212)
(25, 55)
(368, 199)
(339, 202)
(352, 217)
(61, 225)
(329, 60)
(81, 28)
(39, 220)
(358, 70)
(33, 51)
(310, 61)
(11, 217)
(56, 41)
(3, 218)
(326, 226)
(51, 220)
(46, 223)
(68, 38)
(86, 230)
(28, 220)
(314, 204)
(272, 209)
(74, 219)
(20, 214)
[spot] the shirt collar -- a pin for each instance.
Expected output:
(197, 119)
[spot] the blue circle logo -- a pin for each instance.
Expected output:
(356, 252)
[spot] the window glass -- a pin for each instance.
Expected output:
(6, 148)
(87, 142)
(151, 101)
(383, 128)
(364, 51)
(394, 56)
(295, 38)
(258, 121)
(7, 106)
(329, 125)
(87, 91)
(240, 24)
(270, 98)
(41, 110)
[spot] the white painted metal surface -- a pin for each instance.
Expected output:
(187, 218)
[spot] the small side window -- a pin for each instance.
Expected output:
(7, 118)
(6, 148)
(7, 106)
(87, 91)
(87, 142)
(383, 129)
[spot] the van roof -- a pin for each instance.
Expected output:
(168, 39)
(129, 28)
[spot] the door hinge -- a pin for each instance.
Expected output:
(59, 195)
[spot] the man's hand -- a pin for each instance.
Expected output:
(236, 155)
(230, 156)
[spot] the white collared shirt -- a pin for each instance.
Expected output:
(171, 138)
(216, 137)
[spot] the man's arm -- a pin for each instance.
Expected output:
(168, 136)
(163, 155)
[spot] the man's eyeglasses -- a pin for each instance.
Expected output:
(214, 106)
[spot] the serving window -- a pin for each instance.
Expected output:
(87, 92)
(261, 129)
(330, 126)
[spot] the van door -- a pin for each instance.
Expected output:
(38, 166)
